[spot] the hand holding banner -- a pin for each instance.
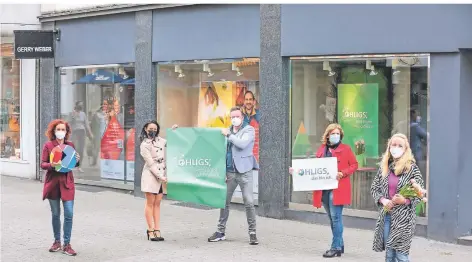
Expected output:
(315, 174)
(196, 166)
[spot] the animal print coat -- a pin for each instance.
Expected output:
(403, 217)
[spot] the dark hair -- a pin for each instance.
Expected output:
(413, 112)
(143, 131)
(250, 92)
(51, 130)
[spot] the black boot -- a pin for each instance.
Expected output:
(332, 253)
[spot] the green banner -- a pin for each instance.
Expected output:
(196, 166)
(358, 114)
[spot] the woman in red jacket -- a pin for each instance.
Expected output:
(334, 200)
(59, 186)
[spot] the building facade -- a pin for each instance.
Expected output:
(17, 94)
(123, 65)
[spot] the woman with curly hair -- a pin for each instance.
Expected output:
(397, 215)
(59, 186)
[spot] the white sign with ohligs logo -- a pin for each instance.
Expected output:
(312, 174)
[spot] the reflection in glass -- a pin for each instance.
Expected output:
(372, 97)
(10, 102)
(99, 105)
(201, 94)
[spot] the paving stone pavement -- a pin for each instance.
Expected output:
(109, 226)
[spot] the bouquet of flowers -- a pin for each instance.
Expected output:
(414, 190)
(360, 147)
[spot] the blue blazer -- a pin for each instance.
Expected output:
(242, 149)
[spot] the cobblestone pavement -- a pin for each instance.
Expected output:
(109, 226)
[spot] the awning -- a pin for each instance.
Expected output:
(100, 76)
(128, 82)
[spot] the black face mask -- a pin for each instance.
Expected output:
(79, 108)
(152, 134)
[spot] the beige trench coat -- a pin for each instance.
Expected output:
(154, 155)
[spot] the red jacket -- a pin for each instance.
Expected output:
(56, 184)
(347, 164)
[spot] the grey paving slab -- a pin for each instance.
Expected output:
(109, 226)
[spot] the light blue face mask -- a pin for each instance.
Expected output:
(334, 139)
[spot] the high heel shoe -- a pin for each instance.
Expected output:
(151, 235)
(332, 253)
(159, 238)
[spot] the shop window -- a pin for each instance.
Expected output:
(201, 94)
(10, 102)
(98, 103)
(392, 91)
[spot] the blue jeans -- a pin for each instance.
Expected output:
(335, 214)
(56, 219)
(245, 183)
(392, 255)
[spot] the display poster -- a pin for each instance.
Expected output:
(245, 96)
(130, 154)
(310, 174)
(115, 122)
(358, 113)
(196, 166)
(112, 151)
(215, 102)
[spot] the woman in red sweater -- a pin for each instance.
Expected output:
(334, 200)
(59, 186)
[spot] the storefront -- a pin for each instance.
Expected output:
(17, 96)
(188, 65)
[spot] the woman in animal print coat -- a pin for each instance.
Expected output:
(397, 219)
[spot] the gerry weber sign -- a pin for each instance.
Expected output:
(32, 44)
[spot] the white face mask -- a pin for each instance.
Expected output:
(418, 119)
(397, 152)
(236, 121)
(60, 134)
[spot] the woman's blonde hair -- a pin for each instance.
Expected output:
(403, 164)
(329, 129)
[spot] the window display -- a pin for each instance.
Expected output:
(10, 101)
(98, 102)
(372, 98)
(201, 94)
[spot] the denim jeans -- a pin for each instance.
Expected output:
(56, 219)
(244, 181)
(335, 214)
(391, 254)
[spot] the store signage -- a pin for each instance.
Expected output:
(33, 44)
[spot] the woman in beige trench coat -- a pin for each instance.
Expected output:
(152, 149)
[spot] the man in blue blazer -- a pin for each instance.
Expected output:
(240, 162)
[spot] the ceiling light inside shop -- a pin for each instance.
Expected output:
(206, 68)
(178, 69)
(235, 67)
(372, 71)
(326, 66)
